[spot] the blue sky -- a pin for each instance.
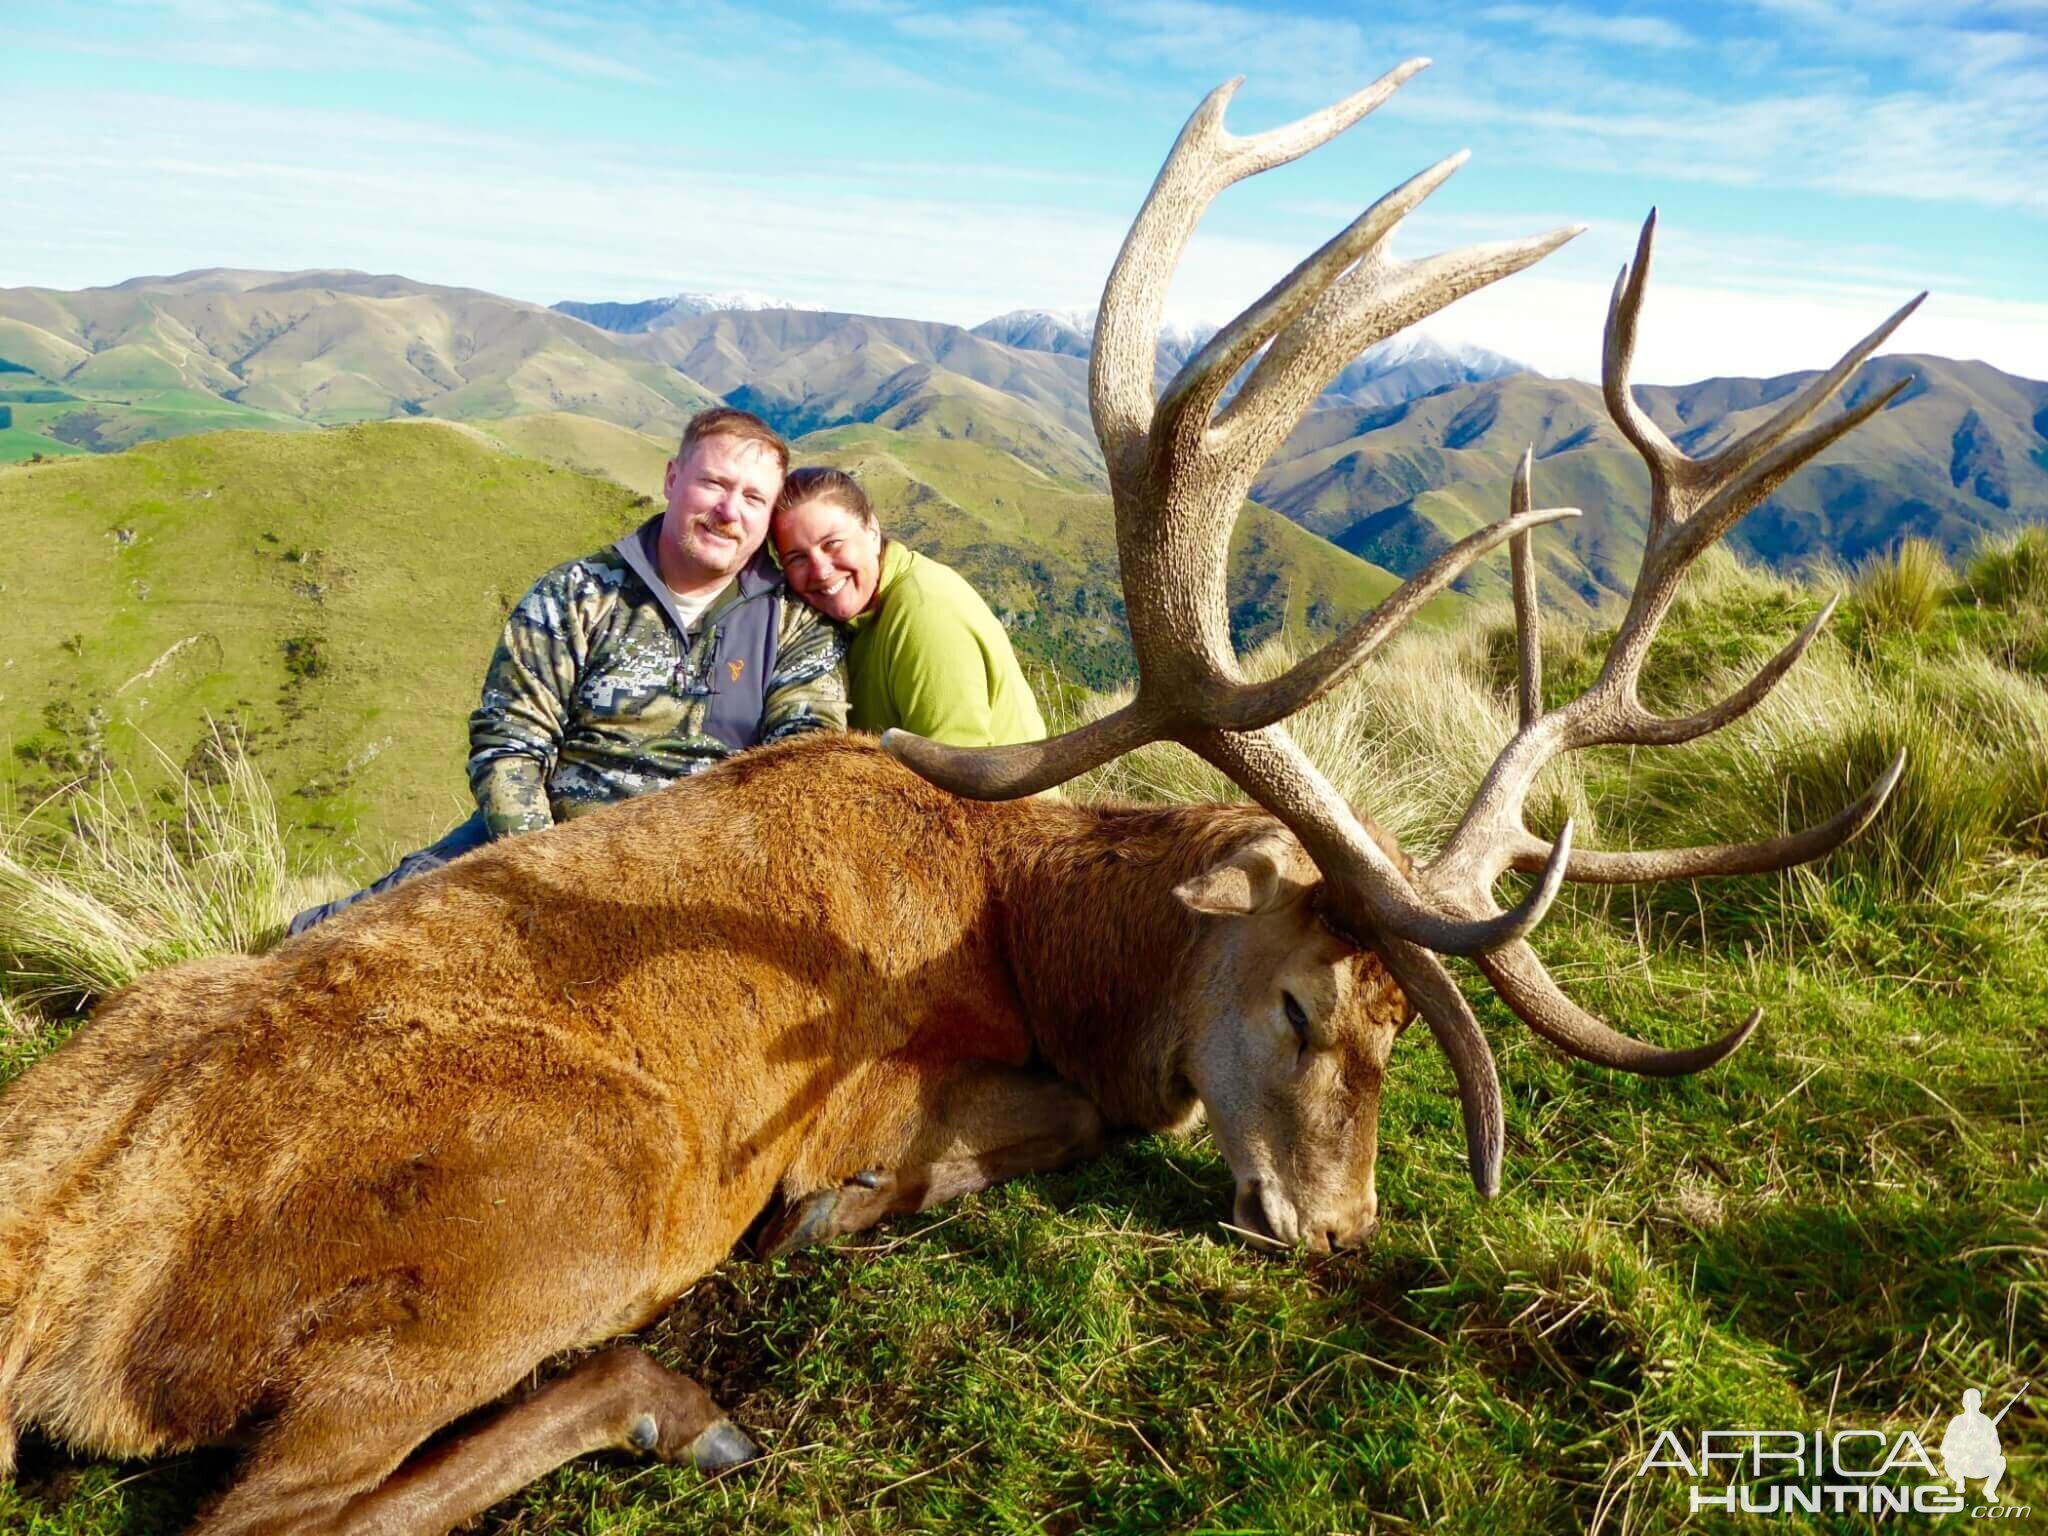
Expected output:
(1814, 163)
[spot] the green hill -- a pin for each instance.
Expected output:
(589, 446)
(202, 351)
(334, 595)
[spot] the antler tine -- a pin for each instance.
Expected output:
(1528, 623)
(1007, 773)
(1366, 890)
(1435, 996)
(1740, 454)
(1599, 867)
(1647, 730)
(1527, 988)
(1371, 302)
(1731, 502)
(1188, 401)
(1252, 705)
(1618, 350)
(1204, 160)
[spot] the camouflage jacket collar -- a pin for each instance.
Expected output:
(757, 578)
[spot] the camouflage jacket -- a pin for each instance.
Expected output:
(597, 692)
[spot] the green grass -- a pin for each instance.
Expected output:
(1841, 1226)
(107, 422)
(332, 595)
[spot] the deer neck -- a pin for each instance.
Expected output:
(1100, 947)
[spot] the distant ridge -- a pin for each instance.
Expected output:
(1411, 446)
(1400, 368)
(631, 318)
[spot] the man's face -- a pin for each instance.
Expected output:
(718, 504)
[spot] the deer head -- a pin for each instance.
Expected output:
(1179, 468)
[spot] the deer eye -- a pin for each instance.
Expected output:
(1297, 1017)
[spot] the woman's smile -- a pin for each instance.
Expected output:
(831, 556)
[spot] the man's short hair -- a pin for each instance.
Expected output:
(726, 421)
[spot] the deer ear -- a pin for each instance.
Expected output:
(1257, 878)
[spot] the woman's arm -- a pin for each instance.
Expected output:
(938, 681)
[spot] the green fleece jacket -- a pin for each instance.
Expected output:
(929, 657)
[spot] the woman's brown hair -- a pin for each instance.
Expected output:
(818, 482)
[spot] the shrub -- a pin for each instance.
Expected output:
(303, 657)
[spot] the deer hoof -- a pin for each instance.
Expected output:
(644, 1435)
(802, 1224)
(868, 1178)
(721, 1448)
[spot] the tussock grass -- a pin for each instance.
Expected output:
(113, 890)
(2011, 571)
(1407, 739)
(1902, 592)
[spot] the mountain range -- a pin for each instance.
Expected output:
(1410, 446)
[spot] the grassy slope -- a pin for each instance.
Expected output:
(635, 459)
(1839, 1227)
(334, 593)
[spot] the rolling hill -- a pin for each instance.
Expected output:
(1411, 445)
(157, 357)
(1960, 455)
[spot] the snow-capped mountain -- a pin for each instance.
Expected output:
(1401, 368)
(651, 314)
(1412, 364)
(1065, 331)
(1072, 331)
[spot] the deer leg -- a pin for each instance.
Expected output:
(993, 1123)
(308, 1476)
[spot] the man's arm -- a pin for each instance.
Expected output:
(808, 690)
(517, 729)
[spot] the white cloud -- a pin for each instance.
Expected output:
(1575, 25)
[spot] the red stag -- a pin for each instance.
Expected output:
(329, 1199)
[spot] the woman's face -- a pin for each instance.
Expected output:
(832, 559)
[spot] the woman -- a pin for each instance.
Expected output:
(927, 655)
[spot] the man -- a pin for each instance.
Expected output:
(648, 661)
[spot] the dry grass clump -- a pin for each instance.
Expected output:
(89, 906)
(2011, 572)
(1901, 593)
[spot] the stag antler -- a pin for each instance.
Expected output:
(1179, 471)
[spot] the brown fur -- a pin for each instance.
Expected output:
(377, 1176)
